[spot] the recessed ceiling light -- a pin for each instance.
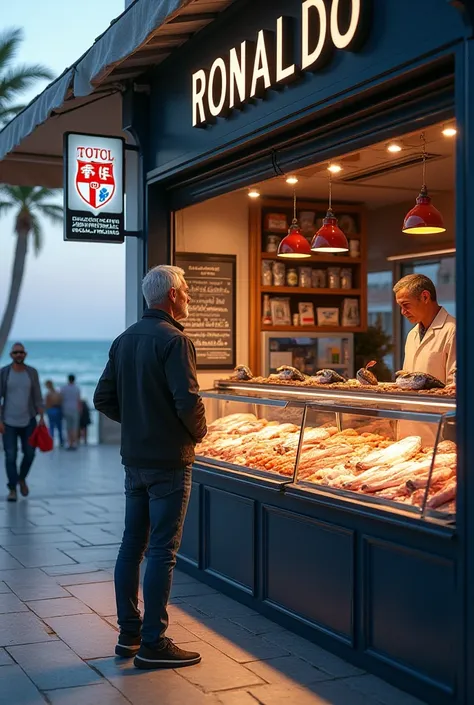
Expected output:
(449, 131)
(254, 193)
(334, 168)
(394, 147)
(292, 179)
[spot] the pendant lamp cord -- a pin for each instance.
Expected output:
(423, 139)
(330, 191)
(294, 205)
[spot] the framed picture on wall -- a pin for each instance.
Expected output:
(306, 311)
(281, 313)
(350, 313)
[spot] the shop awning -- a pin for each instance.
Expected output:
(87, 96)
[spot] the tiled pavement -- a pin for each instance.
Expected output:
(57, 614)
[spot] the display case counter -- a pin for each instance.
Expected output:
(393, 451)
(316, 511)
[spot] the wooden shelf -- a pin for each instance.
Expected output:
(326, 259)
(308, 290)
(312, 329)
(355, 236)
(323, 260)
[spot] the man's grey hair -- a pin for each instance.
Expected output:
(159, 280)
(416, 284)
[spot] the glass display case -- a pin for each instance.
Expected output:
(398, 453)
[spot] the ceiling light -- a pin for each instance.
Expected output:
(292, 179)
(253, 193)
(449, 131)
(334, 168)
(394, 148)
(294, 245)
(330, 237)
(424, 218)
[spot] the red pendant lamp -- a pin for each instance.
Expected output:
(330, 237)
(424, 218)
(294, 245)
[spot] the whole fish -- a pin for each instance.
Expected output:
(395, 453)
(418, 380)
(365, 376)
(242, 372)
(287, 372)
(327, 377)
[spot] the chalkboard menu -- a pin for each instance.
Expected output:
(211, 322)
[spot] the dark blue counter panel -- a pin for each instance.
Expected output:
(308, 569)
(410, 616)
(378, 589)
(234, 562)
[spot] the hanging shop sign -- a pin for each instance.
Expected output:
(211, 321)
(254, 67)
(93, 188)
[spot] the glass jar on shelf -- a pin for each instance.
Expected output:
(318, 279)
(305, 277)
(266, 311)
(292, 277)
(273, 242)
(334, 277)
(267, 275)
(346, 278)
(279, 273)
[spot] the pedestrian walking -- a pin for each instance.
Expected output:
(149, 385)
(84, 421)
(71, 407)
(20, 404)
(53, 405)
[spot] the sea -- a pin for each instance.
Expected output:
(56, 359)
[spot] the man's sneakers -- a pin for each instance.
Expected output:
(24, 488)
(127, 646)
(169, 656)
(11, 496)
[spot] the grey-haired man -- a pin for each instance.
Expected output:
(149, 385)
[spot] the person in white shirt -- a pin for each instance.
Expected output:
(71, 406)
(431, 344)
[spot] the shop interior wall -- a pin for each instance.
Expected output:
(220, 226)
(385, 236)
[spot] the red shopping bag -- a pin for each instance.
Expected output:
(41, 438)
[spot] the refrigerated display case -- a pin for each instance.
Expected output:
(396, 453)
(308, 352)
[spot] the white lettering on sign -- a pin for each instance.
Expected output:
(250, 70)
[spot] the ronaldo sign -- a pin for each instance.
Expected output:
(93, 188)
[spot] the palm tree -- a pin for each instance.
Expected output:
(14, 80)
(28, 202)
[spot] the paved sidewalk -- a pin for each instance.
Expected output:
(57, 614)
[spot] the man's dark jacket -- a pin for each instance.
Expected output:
(149, 385)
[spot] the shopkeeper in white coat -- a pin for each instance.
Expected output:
(431, 344)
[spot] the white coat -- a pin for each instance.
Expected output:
(436, 353)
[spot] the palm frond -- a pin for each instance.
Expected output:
(53, 212)
(37, 235)
(41, 192)
(19, 78)
(5, 206)
(10, 40)
(7, 113)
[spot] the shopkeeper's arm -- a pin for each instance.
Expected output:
(451, 359)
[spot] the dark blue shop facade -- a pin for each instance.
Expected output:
(388, 592)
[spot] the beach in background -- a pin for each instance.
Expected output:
(56, 359)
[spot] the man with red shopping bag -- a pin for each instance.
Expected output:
(20, 403)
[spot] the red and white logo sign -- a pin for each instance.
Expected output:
(95, 180)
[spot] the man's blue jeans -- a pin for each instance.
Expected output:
(10, 444)
(156, 504)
